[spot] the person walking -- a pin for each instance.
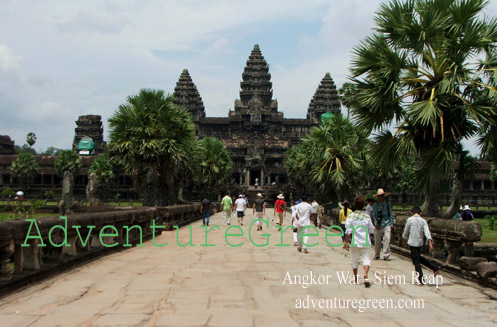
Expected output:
(415, 227)
(314, 212)
(342, 216)
(383, 222)
(259, 210)
(205, 209)
(320, 215)
(303, 219)
(293, 208)
(358, 227)
(467, 215)
(227, 207)
(240, 204)
(279, 210)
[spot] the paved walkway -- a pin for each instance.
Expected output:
(238, 286)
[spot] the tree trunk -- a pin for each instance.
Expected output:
(162, 193)
(149, 195)
(455, 201)
(432, 195)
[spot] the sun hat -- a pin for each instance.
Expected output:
(240, 196)
(281, 196)
(381, 192)
(259, 194)
(466, 207)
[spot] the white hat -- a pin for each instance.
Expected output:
(280, 196)
(381, 192)
(466, 207)
(240, 196)
(259, 194)
(20, 193)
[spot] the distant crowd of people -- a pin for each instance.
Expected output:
(374, 216)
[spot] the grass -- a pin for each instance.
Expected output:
(488, 236)
(12, 216)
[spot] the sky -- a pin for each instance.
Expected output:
(62, 59)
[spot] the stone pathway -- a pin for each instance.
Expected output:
(239, 286)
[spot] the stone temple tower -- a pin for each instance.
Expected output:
(89, 127)
(187, 96)
(324, 100)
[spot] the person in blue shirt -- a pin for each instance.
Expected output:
(383, 222)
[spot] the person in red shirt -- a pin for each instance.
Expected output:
(279, 210)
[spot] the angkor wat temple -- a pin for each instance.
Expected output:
(255, 133)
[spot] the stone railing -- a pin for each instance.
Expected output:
(117, 228)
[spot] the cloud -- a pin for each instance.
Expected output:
(90, 22)
(9, 61)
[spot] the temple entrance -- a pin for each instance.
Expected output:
(253, 175)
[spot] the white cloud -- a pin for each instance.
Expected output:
(9, 61)
(90, 22)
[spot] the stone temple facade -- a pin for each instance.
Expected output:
(90, 126)
(256, 133)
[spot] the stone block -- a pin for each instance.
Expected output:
(487, 269)
(469, 263)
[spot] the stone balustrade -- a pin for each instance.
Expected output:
(28, 257)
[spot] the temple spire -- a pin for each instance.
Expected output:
(187, 96)
(256, 80)
(324, 100)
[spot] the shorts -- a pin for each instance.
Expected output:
(259, 215)
(360, 255)
(240, 214)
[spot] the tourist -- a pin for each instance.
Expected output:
(205, 209)
(320, 215)
(369, 207)
(227, 207)
(383, 221)
(314, 212)
(458, 215)
(256, 182)
(415, 227)
(279, 210)
(293, 208)
(240, 204)
(467, 215)
(359, 224)
(303, 219)
(246, 200)
(342, 217)
(259, 210)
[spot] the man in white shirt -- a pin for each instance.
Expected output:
(415, 227)
(303, 219)
(240, 204)
(293, 208)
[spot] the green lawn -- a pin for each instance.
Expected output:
(488, 236)
(10, 215)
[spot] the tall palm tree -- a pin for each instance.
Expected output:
(25, 168)
(31, 139)
(330, 159)
(421, 72)
(154, 139)
(104, 171)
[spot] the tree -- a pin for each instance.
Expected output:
(68, 160)
(330, 159)
(347, 95)
(155, 140)
(31, 139)
(25, 168)
(420, 72)
(24, 149)
(104, 171)
(51, 151)
(215, 166)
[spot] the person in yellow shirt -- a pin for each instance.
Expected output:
(342, 216)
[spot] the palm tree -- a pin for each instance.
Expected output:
(25, 168)
(330, 159)
(420, 72)
(68, 160)
(31, 139)
(154, 139)
(215, 165)
(104, 171)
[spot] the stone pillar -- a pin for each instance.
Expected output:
(262, 178)
(32, 255)
(482, 184)
(241, 182)
(69, 251)
(6, 250)
(247, 178)
(67, 189)
(91, 189)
